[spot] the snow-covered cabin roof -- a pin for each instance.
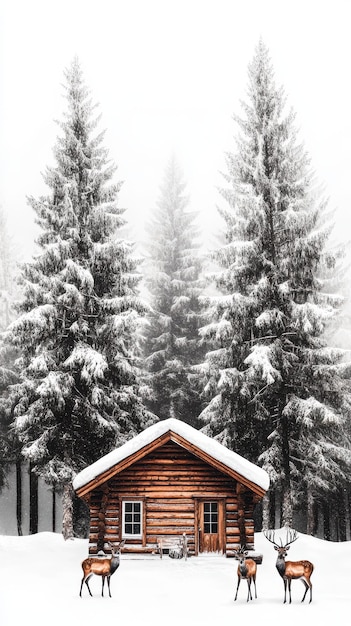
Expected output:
(171, 430)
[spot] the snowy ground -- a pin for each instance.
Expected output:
(40, 579)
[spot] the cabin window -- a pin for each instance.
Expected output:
(132, 519)
(210, 517)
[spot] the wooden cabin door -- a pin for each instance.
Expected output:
(211, 526)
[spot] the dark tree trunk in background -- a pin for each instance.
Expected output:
(19, 497)
(341, 515)
(53, 510)
(67, 511)
(311, 513)
(268, 510)
(81, 518)
(271, 512)
(347, 501)
(316, 518)
(287, 507)
(326, 521)
(33, 501)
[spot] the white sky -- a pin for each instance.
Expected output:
(168, 76)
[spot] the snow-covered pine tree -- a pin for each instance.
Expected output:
(276, 391)
(77, 331)
(172, 344)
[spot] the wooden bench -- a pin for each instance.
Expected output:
(177, 546)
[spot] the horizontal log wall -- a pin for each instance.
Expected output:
(169, 481)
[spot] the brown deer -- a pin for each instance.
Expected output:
(247, 569)
(101, 566)
(289, 570)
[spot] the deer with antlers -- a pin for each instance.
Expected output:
(291, 570)
(101, 566)
(246, 570)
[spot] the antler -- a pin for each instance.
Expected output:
(270, 535)
(291, 536)
(240, 551)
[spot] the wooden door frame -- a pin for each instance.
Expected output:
(221, 520)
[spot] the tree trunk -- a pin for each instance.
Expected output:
(272, 505)
(310, 513)
(316, 518)
(347, 514)
(265, 512)
(33, 501)
(326, 521)
(342, 512)
(19, 497)
(268, 511)
(287, 508)
(53, 510)
(67, 511)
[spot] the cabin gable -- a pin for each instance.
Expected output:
(154, 445)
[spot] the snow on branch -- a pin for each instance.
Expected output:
(75, 273)
(91, 364)
(307, 411)
(311, 318)
(181, 302)
(271, 318)
(228, 380)
(38, 365)
(259, 360)
(55, 387)
(221, 330)
(72, 297)
(38, 449)
(33, 324)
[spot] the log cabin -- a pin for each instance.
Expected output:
(170, 481)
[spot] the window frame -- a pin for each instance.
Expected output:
(212, 517)
(126, 535)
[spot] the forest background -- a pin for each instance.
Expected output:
(180, 75)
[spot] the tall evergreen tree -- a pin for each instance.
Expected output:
(276, 391)
(77, 331)
(173, 345)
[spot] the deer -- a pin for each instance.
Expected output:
(291, 570)
(247, 569)
(101, 566)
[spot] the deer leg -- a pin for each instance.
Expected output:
(108, 583)
(284, 579)
(254, 579)
(81, 587)
(87, 583)
(237, 589)
(103, 585)
(289, 587)
(310, 591)
(308, 585)
(249, 596)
